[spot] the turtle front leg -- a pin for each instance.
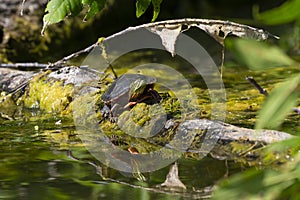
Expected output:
(105, 112)
(115, 111)
(111, 113)
(155, 95)
(152, 95)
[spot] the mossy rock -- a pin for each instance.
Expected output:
(51, 96)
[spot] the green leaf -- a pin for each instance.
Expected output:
(287, 12)
(258, 55)
(156, 8)
(141, 7)
(253, 184)
(95, 6)
(57, 10)
(241, 186)
(279, 103)
(260, 184)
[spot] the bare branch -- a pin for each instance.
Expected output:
(23, 65)
(169, 30)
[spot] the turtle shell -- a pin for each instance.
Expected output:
(122, 84)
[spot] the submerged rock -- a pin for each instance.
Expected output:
(228, 132)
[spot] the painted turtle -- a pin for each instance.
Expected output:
(126, 91)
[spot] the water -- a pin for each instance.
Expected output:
(36, 149)
(36, 164)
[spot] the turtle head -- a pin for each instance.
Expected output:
(137, 88)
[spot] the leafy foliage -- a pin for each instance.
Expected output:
(95, 6)
(57, 10)
(258, 55)
(261, 184)
(282, 183)
(142, 6)
(287, 12)
(156, 8)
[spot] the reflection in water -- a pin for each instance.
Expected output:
(38, 164)
(172, 179)
(171, 186)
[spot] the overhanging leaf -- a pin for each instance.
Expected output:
(287, 12)
(57, 10)
(258, 55)
(156, 8)
(95, 6)
(279, 103)
(141, 7)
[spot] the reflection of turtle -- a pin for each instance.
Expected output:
(126, 91)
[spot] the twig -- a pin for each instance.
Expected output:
(258, 87)
(20, 87)
(23, 65)
(223, 60)
(264, 91)
(73, 55)
(22, 7)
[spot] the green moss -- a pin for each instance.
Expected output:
(242, 107)
(141, 120)
(48, 95)
(8, 107)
